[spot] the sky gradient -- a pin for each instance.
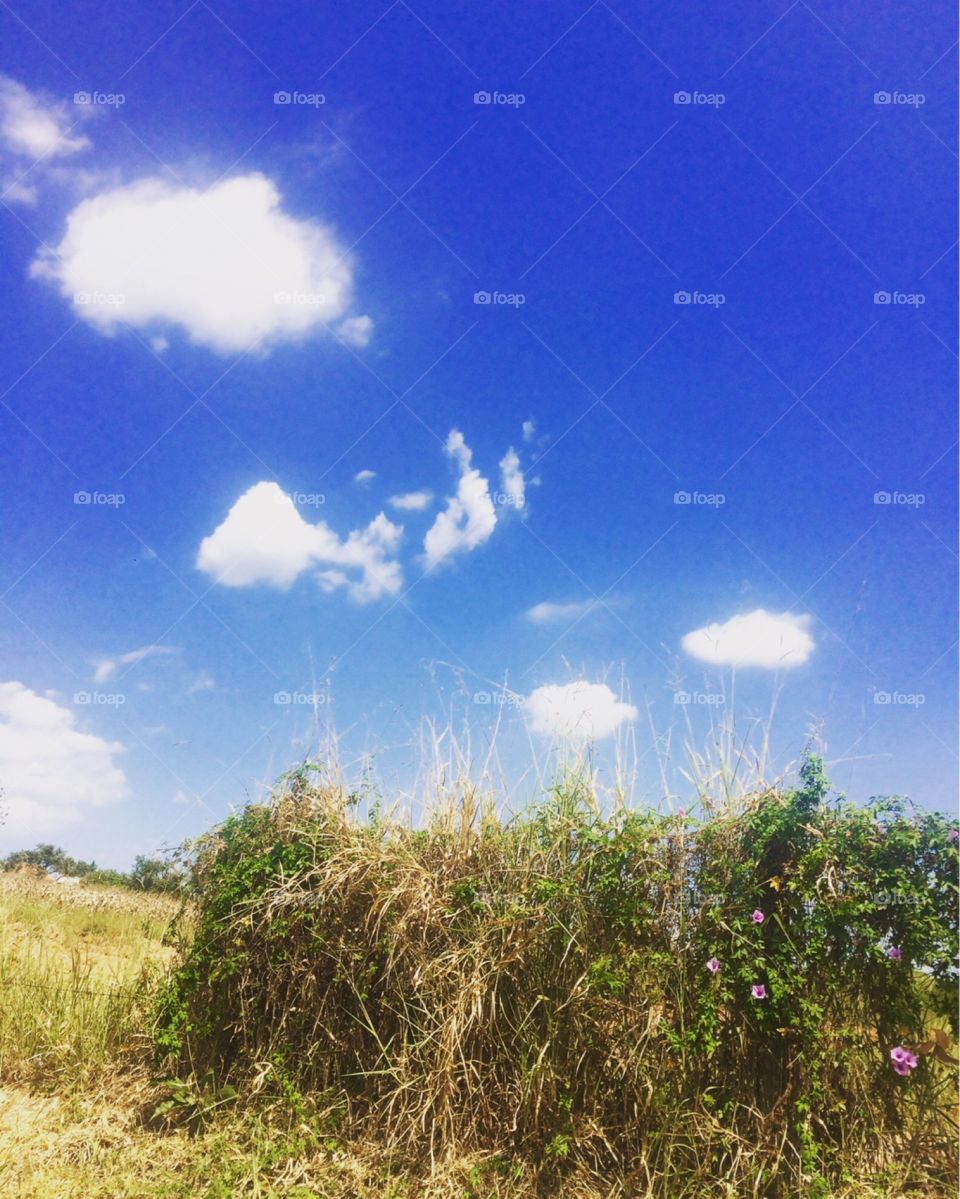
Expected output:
(574, 358)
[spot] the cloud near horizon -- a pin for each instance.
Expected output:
(264, 539)
(51, 772)
(578, 711)
(757, 638)
(226, 264)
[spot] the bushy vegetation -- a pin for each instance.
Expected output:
(148, 874)
(761, 1002)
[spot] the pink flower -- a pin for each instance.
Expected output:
(953, 835)
(903, 1060)
(713, 965)
(759, 991)
(757, 917)
(895, 952)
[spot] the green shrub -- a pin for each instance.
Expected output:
(542, 988)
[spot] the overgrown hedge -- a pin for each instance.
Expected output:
(691, 1008)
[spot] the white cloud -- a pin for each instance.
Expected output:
(511, 479)
(203, 682)
(51, 773)
(529, 430)
(227, 264)
(753, 639)
(264, 539)
(356, 330)
(412, 501)
(550, 613)
(363, 477)
(469, 517)
(35, 127)
(577, 711)
(107, 667)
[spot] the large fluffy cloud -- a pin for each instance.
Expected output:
(225, 263)
(51, 773)
(469, 517)
(264, 539)
(757, 638)
(577, 711)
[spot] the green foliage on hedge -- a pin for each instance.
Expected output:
(711, 1002)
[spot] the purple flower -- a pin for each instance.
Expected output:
(903, 1060)
(895, 952)
(953, 835)
(757, 917)
(759, 991)
(713, 965)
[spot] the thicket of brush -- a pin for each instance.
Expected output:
(543, 989)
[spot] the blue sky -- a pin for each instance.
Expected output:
(636, 322)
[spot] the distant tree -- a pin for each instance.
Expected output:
(48, 857)
(156, 874)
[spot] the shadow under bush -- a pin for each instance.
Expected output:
(688, 1007)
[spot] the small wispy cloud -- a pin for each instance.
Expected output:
(555, 613)
(106, 668)
(412, 501)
